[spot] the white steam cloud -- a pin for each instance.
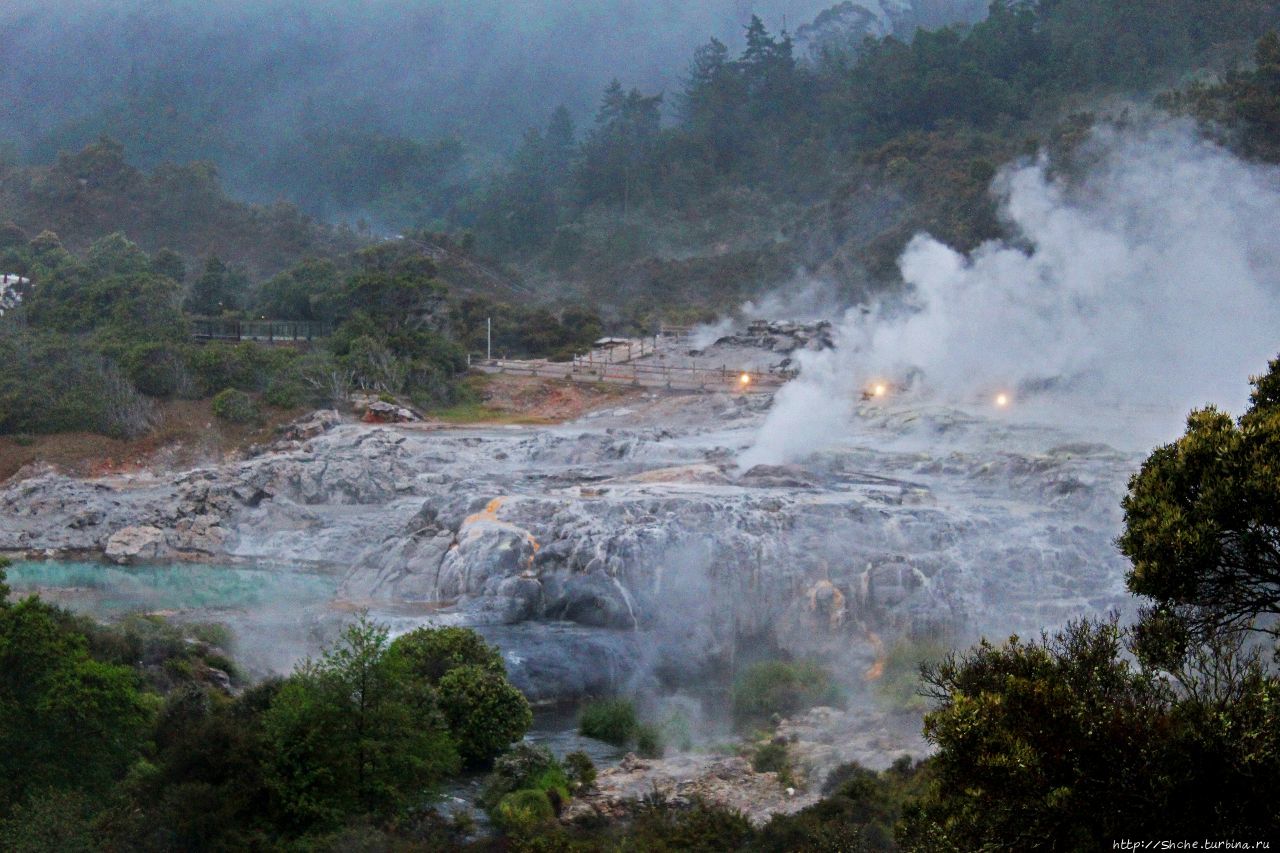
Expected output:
(1149, 287)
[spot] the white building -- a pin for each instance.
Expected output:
(11, 287)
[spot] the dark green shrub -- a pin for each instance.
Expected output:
(649, 742)
(611, 720)
(485, 712)
(770, 758)
(157, 369)
(526, 765)
(522, 812)
(236, 407)
(286, 394)
(779, 687)
(429, 653)
(700, 827)
(581, 771)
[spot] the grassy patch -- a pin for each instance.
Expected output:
(476, 412)
(611, 720)
(780, 688)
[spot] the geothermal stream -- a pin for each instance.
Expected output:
(631, 552)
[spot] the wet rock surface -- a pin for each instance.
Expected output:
(636, 528)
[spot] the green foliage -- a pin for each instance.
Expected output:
(523, 811)
(858, 812)
(236, 407)
(431, 653)
(1244, 107)
(58, 383)
(649, 742)
(485, 713)
(700, 827)
(1202, 520)
(581, 771)
(67, 721)
(610, 720)
(771, 758)
(286, 394)
(899, 685)
(353, 734)
(60, 820)
(525, 766)
(1066, 740)
(780, 688)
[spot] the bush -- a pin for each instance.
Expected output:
(522, 812)
(581, 771)
(285, 394)
(485, 713)
(699, 827)
(430, 653)
(611, 720)
(527, 765)
(236, 407)
(771, 758)
(649, 742)
(899, 686)
(781, 688)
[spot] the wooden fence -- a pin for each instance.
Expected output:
(648, 375)
(282, 332)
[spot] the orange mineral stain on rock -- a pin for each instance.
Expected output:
(490, 514)
(876, 670)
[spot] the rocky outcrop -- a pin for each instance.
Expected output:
(631, 546)
(136, 544)
(621, 791)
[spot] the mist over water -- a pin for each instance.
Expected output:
(1148, 287)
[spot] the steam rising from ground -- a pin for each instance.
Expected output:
(1149, 287)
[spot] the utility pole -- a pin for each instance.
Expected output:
(488, 338)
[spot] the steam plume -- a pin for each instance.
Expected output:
(1148, 287)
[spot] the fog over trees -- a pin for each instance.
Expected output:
(243, 84)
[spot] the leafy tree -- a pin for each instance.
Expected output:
(1066, 744)
(67, 721)
(307, 291)
(1202, 520)
(1244, 107)
(431, 653)
(619, 156)
(484, 712)
(351, 734)
(169, 264)
(216, 291)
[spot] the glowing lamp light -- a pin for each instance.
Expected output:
(1002, 401)
(744, 379)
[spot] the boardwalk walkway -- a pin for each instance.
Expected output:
(275, 332)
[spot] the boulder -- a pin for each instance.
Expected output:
(310, 426)
(133, 544)
(382, 412)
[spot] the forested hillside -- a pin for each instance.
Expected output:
(769, 163)
(821, 151)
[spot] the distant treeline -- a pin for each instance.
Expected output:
(763, 163)
(97, 337)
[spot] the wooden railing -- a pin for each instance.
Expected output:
(284, 332)
(648, 375)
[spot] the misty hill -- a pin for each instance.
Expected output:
(271, 91)
(706, 174)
